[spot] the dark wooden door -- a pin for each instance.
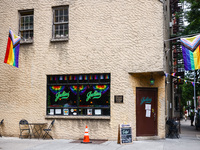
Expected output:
(146, 111)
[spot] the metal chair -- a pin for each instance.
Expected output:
(48, 130)
(24, 127)
(1, 125)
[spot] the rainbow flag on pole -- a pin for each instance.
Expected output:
(191, 53)
(12, 51)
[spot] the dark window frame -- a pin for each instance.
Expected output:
(103, 110)
(60, 27)
(26, 31)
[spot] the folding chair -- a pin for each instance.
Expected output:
(1, 125)
(48, 130)
(24, 127)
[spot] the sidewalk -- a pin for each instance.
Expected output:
(188, 131)
(190, 139)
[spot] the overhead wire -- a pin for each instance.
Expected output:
(180, 37)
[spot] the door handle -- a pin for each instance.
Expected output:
(154, 116)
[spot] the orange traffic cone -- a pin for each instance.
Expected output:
(86, 136)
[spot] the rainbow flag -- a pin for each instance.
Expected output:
(191, 53)
(12, 51)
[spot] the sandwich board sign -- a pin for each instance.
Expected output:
(125, 134)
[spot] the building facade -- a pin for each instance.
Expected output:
(84, 62)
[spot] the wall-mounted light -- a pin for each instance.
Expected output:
(152, 81)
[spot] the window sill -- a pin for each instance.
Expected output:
(26, 42)
(59, 40)
(78, 117)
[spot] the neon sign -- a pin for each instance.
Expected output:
(94, 95)
(60, 96)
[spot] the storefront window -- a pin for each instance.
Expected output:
(85, 94)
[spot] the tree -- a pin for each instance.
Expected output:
(187, 93)
(188, 89)
(192, 16)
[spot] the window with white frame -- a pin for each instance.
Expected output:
(26, 25)
(60, 22)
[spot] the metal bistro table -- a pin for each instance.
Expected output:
(36, 129)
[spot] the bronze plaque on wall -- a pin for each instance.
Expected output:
(118, 98)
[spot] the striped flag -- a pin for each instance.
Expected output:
(191, 52)
(12, 51)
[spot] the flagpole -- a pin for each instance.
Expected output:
(194, 90)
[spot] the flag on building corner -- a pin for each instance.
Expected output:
(12, 51)
(191, 53)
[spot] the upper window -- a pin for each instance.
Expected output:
(83, 95)
(26, 25)
(60, 22)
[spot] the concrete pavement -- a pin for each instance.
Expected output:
(190, 139)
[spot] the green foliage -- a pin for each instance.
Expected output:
(187, 93)
(192, 16)
(188, 88)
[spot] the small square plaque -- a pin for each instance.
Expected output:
(118, 98)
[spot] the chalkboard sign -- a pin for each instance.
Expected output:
(125, 134)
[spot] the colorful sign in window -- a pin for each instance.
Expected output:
(85, 94)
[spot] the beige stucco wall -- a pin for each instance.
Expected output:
(105, 36)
